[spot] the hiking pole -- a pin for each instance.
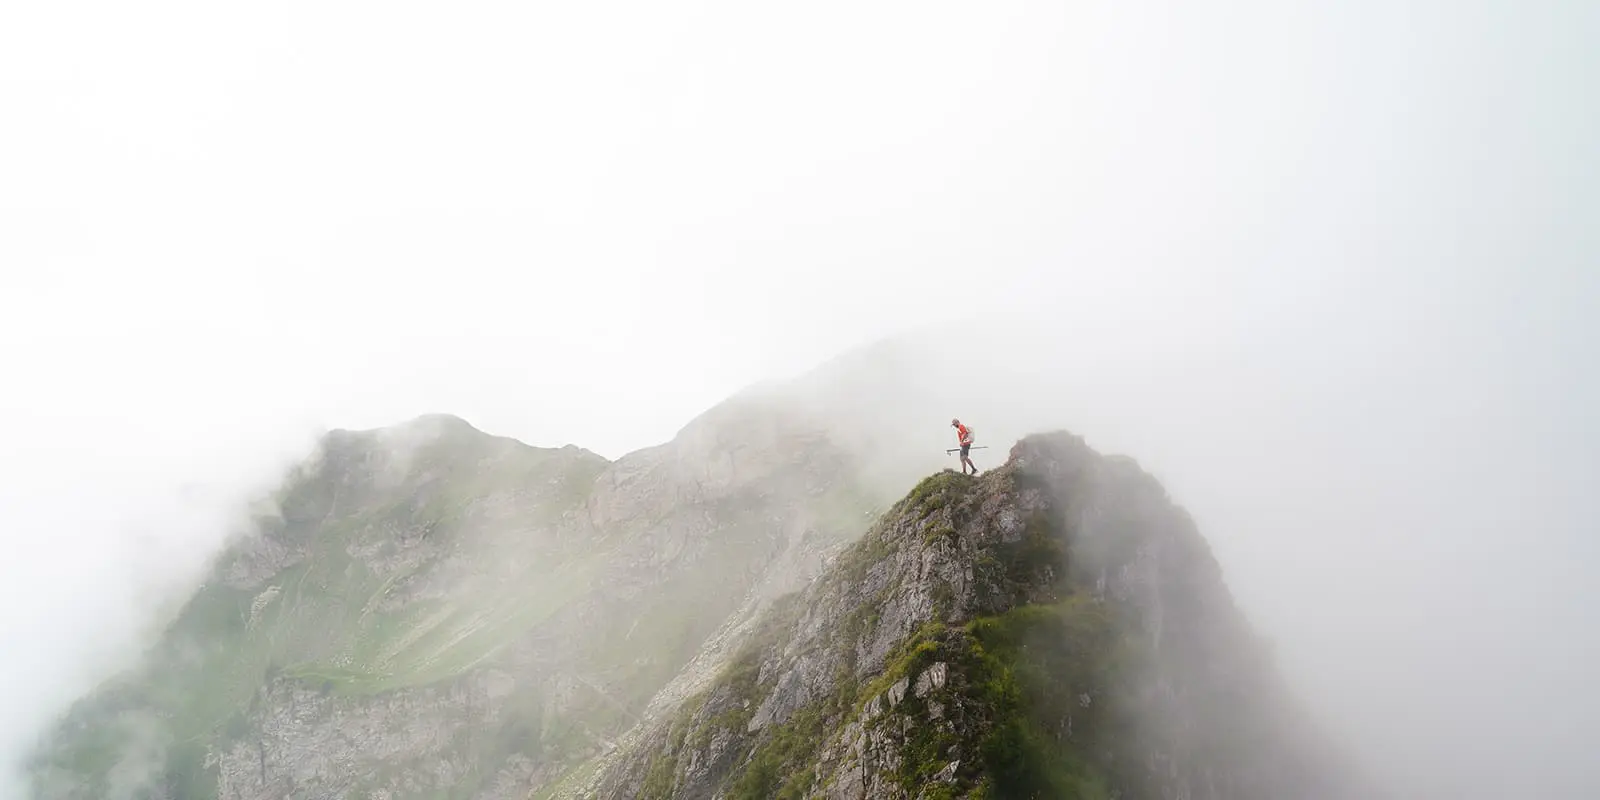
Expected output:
(978, 447)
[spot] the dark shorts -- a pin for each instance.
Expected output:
(964, 449)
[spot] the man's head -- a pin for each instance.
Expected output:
(954, 422)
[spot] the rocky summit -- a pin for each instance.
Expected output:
(746, 611)
(1055, 628)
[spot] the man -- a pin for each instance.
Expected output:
(964, 436)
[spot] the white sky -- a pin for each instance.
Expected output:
(223, 225)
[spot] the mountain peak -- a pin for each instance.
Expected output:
(426, 426)
(434, 424)
(439, 420)
(1049, 628)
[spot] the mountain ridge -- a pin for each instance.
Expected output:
(436, 611)
(395, 549)
(874, 681)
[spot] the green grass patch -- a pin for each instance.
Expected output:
(1029, 668)
(321, 626)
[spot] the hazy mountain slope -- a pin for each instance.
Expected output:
(1056, 628)
(441, 611)
(344, 589)
(436, 612)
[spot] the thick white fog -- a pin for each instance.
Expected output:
(1327, 270)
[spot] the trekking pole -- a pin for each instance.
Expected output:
(977, 447)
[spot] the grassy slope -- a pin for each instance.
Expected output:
(319, 619)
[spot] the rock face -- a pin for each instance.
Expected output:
(1054, 628)
(439, 613)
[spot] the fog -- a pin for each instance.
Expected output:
(1326, 270)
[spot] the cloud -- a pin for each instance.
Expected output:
(1326, 271)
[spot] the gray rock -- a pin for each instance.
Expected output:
(931, 679)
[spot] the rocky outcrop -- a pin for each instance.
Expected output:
(1053, 628)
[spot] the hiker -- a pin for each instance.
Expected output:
(964, 436)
